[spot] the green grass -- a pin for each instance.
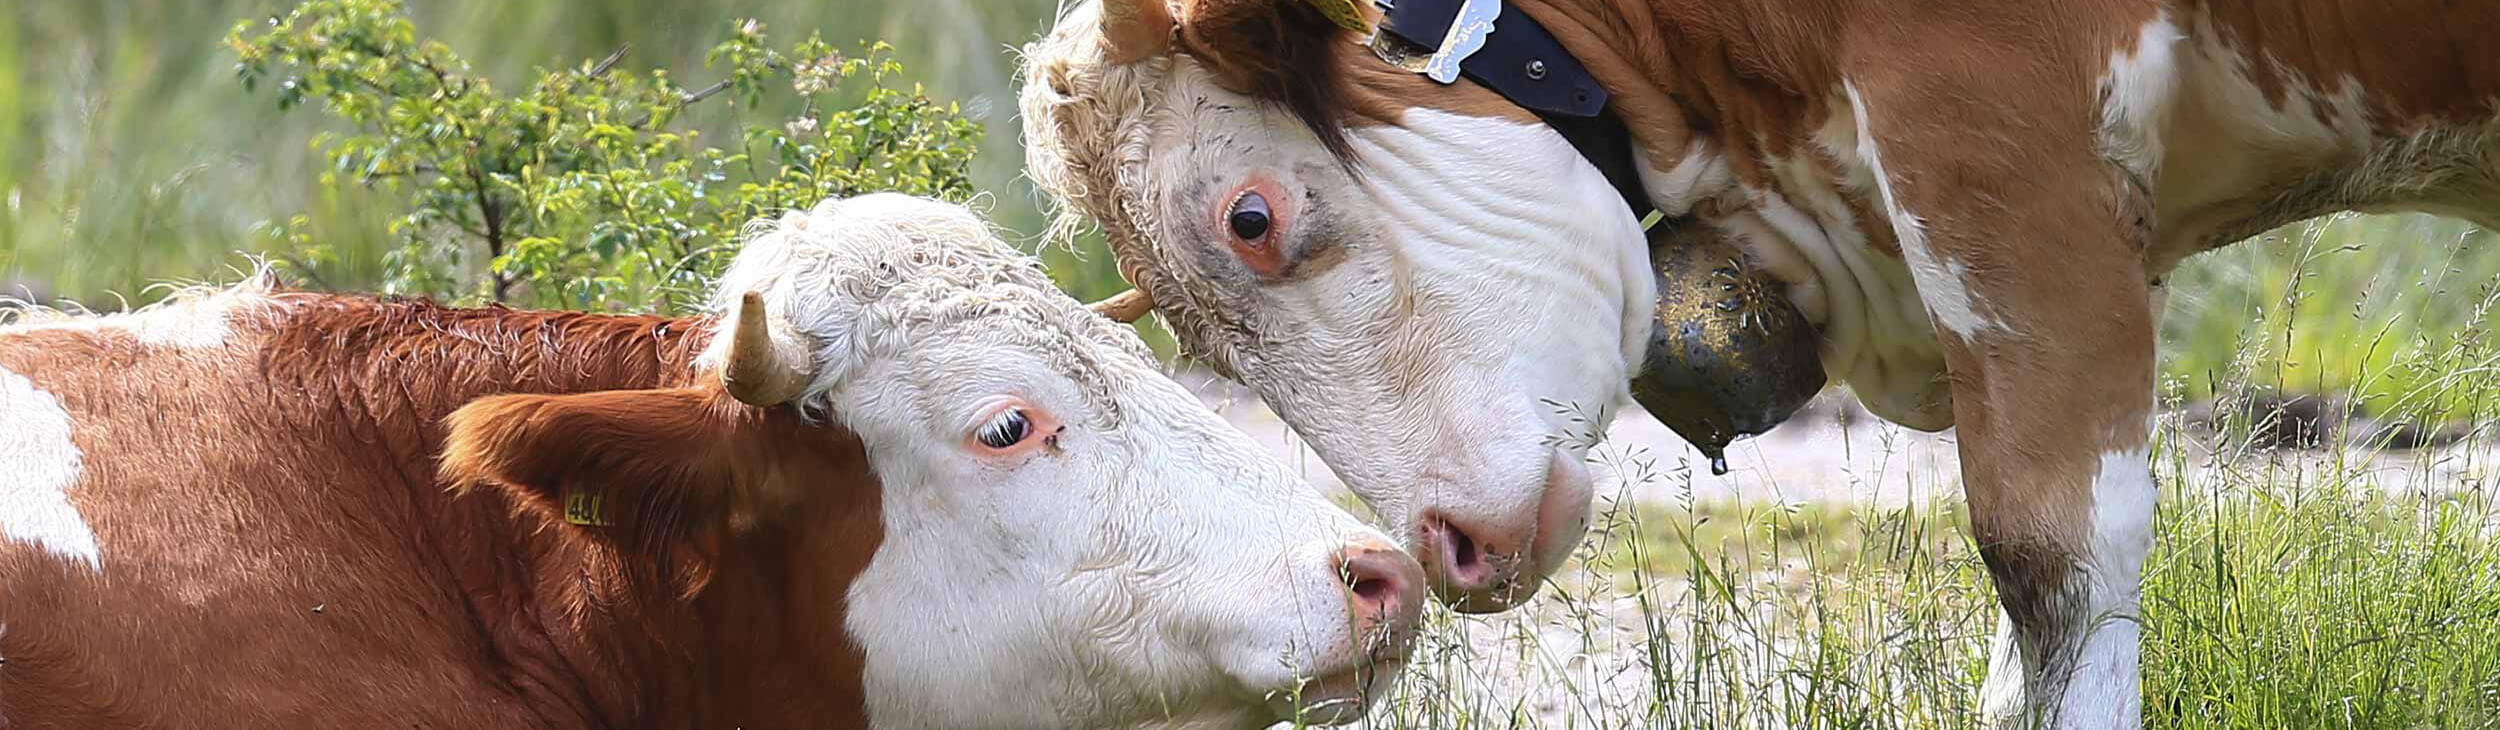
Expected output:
(2325, 604)
(2284, 592)
(2392, 312)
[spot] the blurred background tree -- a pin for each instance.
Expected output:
(582, 192)
(130, 154)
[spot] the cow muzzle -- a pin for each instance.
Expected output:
(1384, 597)
(1487, 563)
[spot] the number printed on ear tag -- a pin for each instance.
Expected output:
(1466, 36)
(585, 507)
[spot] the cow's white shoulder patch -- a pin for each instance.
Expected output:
(2234, 149)
(2136, 94)
(1941, 280)
(38, 463)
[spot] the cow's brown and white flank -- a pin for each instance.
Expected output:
(905, 483)
(1974, 202)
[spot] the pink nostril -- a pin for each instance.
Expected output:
(1383, 585)
(1375, 591)
(1473, 574)
(1464, 562)
(1463, 554)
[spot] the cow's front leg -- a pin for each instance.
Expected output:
(2026, 244)
(2052, 397)
(2063, 518)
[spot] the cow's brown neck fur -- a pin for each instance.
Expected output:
(1754, 76)
(1674, 66)
(434, 607)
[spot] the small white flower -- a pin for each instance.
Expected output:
(815, 76)
(801, 126)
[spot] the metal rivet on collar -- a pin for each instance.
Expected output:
(1536, 69)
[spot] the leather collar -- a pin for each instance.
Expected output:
(1515, 56)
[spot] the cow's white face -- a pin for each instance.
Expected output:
(1446, 320)
(1071, 538)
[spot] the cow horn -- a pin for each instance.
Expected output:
(1133, 30)
(758, 371)
(1125, 307)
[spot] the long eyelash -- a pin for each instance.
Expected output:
(997, 430)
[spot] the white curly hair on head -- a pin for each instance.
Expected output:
(861, 277)
(1084, 129)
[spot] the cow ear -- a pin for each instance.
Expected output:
(1133, 30)
(645, 471)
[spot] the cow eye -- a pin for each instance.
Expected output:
(1008, 429)
(1249, 217)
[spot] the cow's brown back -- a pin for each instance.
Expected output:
(277, 551)
(2419, 61)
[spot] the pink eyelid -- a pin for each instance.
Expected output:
(1038, 426)
(1260, 255)
(1279, 209)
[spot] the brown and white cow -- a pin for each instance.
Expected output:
(1973, 201)
(917, 488)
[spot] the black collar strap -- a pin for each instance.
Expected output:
(1522, 61)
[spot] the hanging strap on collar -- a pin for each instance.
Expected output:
(1519, 59)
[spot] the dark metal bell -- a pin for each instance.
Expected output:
(1729, 356)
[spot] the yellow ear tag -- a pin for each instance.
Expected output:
(1344, 13)
(585, 507)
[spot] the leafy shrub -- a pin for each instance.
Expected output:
(589, 190)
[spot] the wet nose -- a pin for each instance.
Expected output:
(1384, 594)
(1491, 563)
(1470, 567)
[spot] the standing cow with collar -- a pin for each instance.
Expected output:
(1406, 226)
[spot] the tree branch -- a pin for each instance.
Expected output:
(689, 100)
(412, 171)
(306, 267)
(488, 211)
(609, 62)
(493, 215)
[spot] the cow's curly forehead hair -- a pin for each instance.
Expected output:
(880, 276)
(1085, 136)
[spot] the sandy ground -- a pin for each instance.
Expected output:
(1834, 451)
(1830, 451)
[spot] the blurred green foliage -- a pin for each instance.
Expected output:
(2394, 313)
(582, 192)
(129, 155)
